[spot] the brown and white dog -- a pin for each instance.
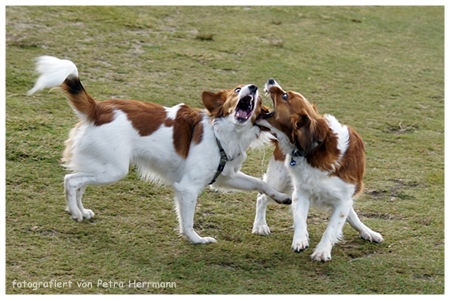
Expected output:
(180, 146)
(323, 162)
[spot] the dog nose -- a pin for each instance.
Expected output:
(271, 81)
(252, 87)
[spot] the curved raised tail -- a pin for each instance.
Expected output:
(55, 72)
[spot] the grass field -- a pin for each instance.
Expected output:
(379, 69)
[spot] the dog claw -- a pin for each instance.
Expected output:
(300, 246)
(298, 250)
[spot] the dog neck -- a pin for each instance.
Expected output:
(234, 138)
(223, 161)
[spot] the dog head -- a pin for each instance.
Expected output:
(242, 103)
(295, 117)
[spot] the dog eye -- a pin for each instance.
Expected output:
(237, 90)
(285, 96)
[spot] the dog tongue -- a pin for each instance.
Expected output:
(242, 114)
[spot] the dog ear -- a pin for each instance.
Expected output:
(307, 132)
(300, 120)
(213, 101)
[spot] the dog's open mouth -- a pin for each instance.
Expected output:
(244, 108)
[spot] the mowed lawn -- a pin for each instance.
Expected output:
(378, 69)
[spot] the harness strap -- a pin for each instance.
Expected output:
(223, 161)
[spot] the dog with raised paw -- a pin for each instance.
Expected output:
(184, 147)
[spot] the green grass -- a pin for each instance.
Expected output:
(379, 69)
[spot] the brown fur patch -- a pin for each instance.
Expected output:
(146, 117)
(168, 122)
(259, 108)
(318, 143)
(187, 128)
(198, 134)
(353, 163)
(78, 97)
(278, 155)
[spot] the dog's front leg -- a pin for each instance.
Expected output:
(300, 208)
(245, 182)
(278, 178)
(260, 224)
(185, 201)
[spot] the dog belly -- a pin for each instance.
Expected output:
(156, 158)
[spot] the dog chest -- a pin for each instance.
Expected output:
(321, 187)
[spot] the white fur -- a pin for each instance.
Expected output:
(53, 72)
(312, 186)
(278, 178)
(103, 154)
(342, 133)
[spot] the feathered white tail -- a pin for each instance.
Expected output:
(53, 71)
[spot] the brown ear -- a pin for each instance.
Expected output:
(212, 101)
(307, 133)
(300, 120)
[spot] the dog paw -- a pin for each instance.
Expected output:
(372, 237)
(299, 246)
(261, 229)
(77, 216)
(88, 214)
(321, 255)
(206, 240)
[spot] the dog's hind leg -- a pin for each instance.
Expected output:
(75, 185)
(79, 195)
(333, 233)
(185, 201)
(364, 231)
(87, 213)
